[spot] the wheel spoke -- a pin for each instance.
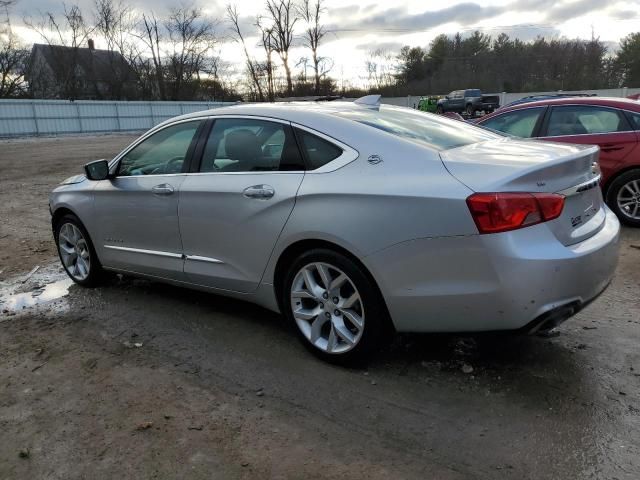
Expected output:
(325, 276)
(354, 318)
(635, 210)
(303, 294)
(311, 283)
(316, 328)
(332, 341)
(338, 281)
(351, 301)
(343, 333)
(306, 314)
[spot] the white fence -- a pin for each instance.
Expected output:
(53, 117)
(412, 100)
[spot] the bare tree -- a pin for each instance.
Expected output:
(233, 17)
(313, 35)
(267, 44)
(13, 58)
(284, 16)
(192, 38)
(151, 35)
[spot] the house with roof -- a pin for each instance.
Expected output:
(80, 73)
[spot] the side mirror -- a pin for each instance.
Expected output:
(97, 170)
(447, 97)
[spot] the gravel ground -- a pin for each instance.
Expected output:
(142, 380)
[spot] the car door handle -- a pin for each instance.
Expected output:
(259, 191)
(611, 148)
(162, 189)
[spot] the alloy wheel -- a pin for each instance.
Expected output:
(327, 307)
(628, 199)
(74, 252)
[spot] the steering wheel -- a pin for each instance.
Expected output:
(169, 166)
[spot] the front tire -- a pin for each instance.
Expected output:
(335, 307)
(76, 251)
(623, 197)
(439, 109)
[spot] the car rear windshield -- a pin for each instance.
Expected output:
(429, 129)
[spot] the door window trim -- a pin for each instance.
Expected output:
(113, 166)
(619, 111)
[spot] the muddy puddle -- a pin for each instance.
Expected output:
(48, 285)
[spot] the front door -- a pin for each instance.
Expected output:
(234, 207)
(138, 208)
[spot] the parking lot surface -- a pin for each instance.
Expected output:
(141, 380)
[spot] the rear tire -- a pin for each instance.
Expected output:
(623, 197)
(335, 308)
(76, 252)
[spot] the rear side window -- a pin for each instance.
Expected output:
(319, 151)
(473, 93)
(520, 123)
(634, 117)
(585, 120)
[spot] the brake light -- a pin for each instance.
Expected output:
(501, 212)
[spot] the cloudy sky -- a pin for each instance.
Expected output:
(356, 27)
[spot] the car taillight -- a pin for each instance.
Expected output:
(501, 212)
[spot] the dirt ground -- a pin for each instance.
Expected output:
(142, 380)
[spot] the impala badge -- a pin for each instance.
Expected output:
(374, 159)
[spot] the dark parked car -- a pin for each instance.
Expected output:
(611, 123)
(468, 101)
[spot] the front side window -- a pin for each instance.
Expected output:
(162, 153)
(319, 151)
(585, 120)
(519, 123)
(245, 145)
(435, 131)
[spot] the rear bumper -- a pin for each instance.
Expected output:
(493, 282)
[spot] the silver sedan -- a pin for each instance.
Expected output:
(353, 219)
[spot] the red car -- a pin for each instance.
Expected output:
(611, 123)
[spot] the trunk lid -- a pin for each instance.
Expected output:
(513, 165)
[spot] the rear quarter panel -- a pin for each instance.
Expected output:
(365, 208)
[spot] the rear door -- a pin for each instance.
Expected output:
(592, 125)
(237, 200)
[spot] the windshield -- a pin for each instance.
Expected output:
(432, 130)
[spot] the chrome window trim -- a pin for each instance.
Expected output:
(143, 251)
(349, 154)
